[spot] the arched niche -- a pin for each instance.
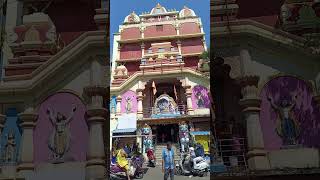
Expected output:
(304, 113)
(200, 98)
(131, 98)
(62, 102)
(11, 128)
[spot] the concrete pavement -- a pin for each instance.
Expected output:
(156, 174)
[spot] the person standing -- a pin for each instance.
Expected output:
(168, 162)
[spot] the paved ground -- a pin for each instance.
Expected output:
(156, 174)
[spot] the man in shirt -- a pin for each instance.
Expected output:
(168, 162)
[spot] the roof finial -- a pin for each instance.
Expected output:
(158, 5)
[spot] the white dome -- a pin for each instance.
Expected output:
(187, 12)
(158, 10)
(132, 18)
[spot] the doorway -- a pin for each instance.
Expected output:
(166, 133)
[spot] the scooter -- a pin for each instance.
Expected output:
(186, 166)
(151, 158)
(201, 168)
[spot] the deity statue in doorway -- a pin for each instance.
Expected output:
(59, 142)
(287, 125)
(184, 136)
(128, 104)
(10, 148)
(146, 131)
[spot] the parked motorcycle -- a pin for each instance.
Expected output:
(135, 169)
(151, 158)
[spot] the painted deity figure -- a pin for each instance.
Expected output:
(59, 142)
(200, 100)
(10, 148)
(147, 140)
(184, 136)
(287, 125)
(128, 104)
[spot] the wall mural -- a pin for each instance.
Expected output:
(289, 114)
(61, 133)
(200, 98)
(10, 138)
(129, 103)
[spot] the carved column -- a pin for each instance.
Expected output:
(142, 49)
(140, 107)
(177, 26)
(96, 117)
(179, 46)
(257, 156)
(118, 54)
(189, 100)
(119, 98)
(28, 122)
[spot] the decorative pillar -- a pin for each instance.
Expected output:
(118, 110)
(189, 100)
(142, 49)
(142, 28)
(177, 26)
(179, 46)
(257, 156)
(28, 122)
(96, 118)
(119, 49)
(140, 107)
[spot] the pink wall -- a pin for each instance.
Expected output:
(191, 62)
(305, 112)
(130, 33)
(193, 45)
(132, 67)
(168, 30)
(61, 102)
(130, 51)
(189, 28)
(134, 101)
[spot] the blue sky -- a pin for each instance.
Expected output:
(119, 9)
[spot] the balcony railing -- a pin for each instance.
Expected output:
(165, 61)
(152, 112)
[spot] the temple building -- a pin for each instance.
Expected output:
(266, 88)
(54, 67)
(160, 77)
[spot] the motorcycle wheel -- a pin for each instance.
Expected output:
(178, 172)
(139, 175)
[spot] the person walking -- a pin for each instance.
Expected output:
(168, 162)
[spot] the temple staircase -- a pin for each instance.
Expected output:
(158, 152)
